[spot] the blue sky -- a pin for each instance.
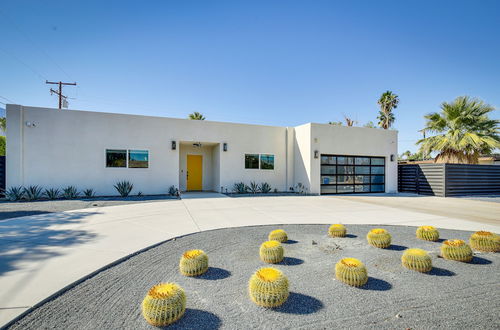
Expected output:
(263, 62)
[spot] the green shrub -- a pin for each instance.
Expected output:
(173, 191)
(124, 188)
(254, 187)
(52, 193)
(240, 188)
(265, 188)
(2, 145)
(14, 193)
(89, 193)
(32, 193)
(70, 192)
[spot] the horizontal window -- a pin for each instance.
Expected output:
(328, 179)
(345, 160)
(252, 161)
(328, 189)
(345, 169)
(328, 170)
(363, 179)
(138, 159)
(378, 161)
(267, 162)
(116, 158)
(362, 188)
(378, 179)
(362, 161)
(378, 188)
(378, 170)
(332, 160)
(344, 189)
(345, 179)
(362, 169)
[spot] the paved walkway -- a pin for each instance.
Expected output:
(43, 253)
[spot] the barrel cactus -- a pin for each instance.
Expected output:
(428, 233)
(271, 252)
(456, 249)
(417, 259)
(193, 263)
(351, 271)
(379, 238)
(164, 304)
(278, 235)
(268, 287)
(337, 230)
(485, 241)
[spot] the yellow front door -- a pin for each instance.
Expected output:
(194, 172)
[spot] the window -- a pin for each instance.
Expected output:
(116, 158)
(127, 158)
(342, 174)
(252, 161)
(138, 159)
(267, 162)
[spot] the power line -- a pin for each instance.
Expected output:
(6, 99)
(41, 76)
(59, 92)
(41, 50)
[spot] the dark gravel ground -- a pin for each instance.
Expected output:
(20, 209)
(453, 295)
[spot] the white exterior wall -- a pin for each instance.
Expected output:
(354, 141)
(68, 148)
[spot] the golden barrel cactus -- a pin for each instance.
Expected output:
(164, 304)
(351, 271)
(427, 233)
(268, 287)
(417, 259)
(278, 235)
(485, 241)
(193, 263)
(379, 237)
(271, 252)
(456, 249)
(337, 230)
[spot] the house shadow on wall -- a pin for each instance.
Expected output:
(23, 240)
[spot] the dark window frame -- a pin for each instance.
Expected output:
(258, 162)
(116, 151)
(335, 184)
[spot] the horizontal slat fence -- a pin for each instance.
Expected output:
(449, 179)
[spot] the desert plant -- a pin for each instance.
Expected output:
(193, 263)
(70, 192)
(300, 188)
(14, 193)
(164, 304)
(173, 191)
(278, 235)
(379, 238)
(417, 259)
(240, 188)
(139, 194)
(271, 252)
(351, 271)
(268, 287)
(52, 193)
(427, 233)
(89, 193)
(275, 190)
(485, 241)
(337, 230)
(32, 193)
(265, 188)
(254, 187)
(124, 187)
(456, 249)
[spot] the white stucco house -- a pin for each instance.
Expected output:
(57, 148)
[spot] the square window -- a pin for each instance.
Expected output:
(252, 161)
(116, 158)
(267, 162)
(138, 159)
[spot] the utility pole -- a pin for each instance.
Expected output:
(59, 93)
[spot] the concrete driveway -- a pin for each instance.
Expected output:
(43, 253)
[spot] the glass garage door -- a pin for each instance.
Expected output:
(342, 174)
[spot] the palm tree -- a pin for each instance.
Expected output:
(463, 131)
(196, 116)
(3, 124)
(388, 101)
(349, 121)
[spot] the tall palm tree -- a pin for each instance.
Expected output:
(196, 116)
(462, 131)
(388, 101)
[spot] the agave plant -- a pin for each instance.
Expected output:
(14, 193)
(33, 192)
(173, 191)
(124, 187)
(254, 187)
(265, 188)
(240, 188)
(52, 193)
(70, 192)
(89, 193)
